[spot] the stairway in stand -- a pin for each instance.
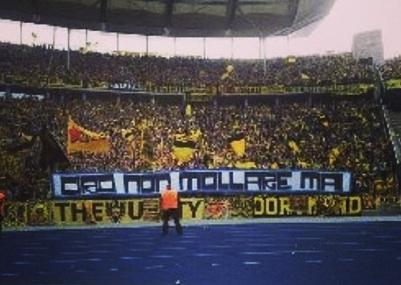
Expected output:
(393, 121)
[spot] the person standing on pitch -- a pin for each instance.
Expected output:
(169, 202)
(2, 203)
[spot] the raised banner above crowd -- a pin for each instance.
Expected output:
(238, 144)
(124, 86)
(183, 147)
(81, 139)
(230, 180)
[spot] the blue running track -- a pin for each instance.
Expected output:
(257, 253)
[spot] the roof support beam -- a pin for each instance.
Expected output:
(168, 13)
(231, 11)
(103, 11)
(293, 6)
(35, 10)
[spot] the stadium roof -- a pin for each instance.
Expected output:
(178, 18)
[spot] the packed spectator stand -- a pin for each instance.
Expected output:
(323, 131)
(391, 69)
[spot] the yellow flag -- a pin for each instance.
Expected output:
(245, 164)
(293, 145)
(238, 144)
(304, 76)
(333, 155)
(188, 110)
(183, 147)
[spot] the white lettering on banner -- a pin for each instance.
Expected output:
(239, 177)
(133, 188)
(277, 181)
(124, 86)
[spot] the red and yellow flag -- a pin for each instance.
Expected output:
(81, 139)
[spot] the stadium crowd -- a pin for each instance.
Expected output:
(332, 133)
(391, 73)
(391, 69)
(40, 66)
